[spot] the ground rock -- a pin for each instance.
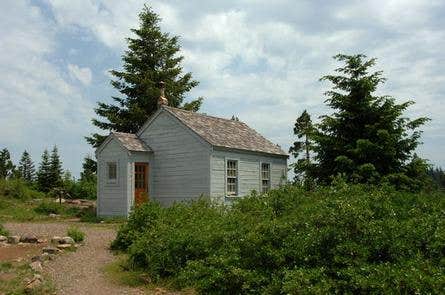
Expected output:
(28, 238)
(13, 239)
(33, 284)
(50, 250)
(67, 240)
(46, 256)
(36, 266)
(64, 246)
(3, 238)
(56, 240)
(53, 215)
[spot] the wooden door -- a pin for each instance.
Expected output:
(140, 183)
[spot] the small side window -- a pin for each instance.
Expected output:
(232, 178)
(265, 177)
(112, 172)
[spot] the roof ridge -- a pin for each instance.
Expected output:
(204, 115)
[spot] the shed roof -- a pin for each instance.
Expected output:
(131, 142)
(225, 133)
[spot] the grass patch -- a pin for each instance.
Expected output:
(76, 234)
(13, 277)
(3, 231)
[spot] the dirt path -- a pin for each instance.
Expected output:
(78, 272)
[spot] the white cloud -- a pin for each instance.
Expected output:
(82, 74)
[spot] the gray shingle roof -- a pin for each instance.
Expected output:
(225, 133)
(131, 142)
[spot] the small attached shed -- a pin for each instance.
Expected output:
(180, 155)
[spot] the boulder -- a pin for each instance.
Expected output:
(13, 239)
(28, 238)
(52, 215)
(46, 256)
(67, 240)
(33, 284)
(36, 266)
(50, 250)
(64, 246)
(56, 240)
(3, 239)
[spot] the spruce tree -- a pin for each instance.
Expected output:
(152, 57)
(26, 168)
(6, 166)
(303, 129)
(44, 180)
(55, 168)
(367, 138)
(89, 167)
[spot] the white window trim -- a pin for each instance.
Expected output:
(237, 177)
(261, 176)
(107, 171)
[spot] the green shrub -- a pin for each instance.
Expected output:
(18, 189)
(339, 239)
(77, 235)
(3, 231)
(49, 207)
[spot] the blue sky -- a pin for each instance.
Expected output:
(260, 60)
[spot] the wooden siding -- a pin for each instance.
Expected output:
(112, 197)
(248, 172)
(181, 160)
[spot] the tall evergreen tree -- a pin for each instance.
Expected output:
(304, 130)
(89, 167)
(152, 57)
(26, 168)
(367, 137)
(6, 165)
(44, 179)
(55, 168)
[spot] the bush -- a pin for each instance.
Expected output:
(77, 235)
(339, 239)
(49, 207)
(3, 231)
(18, 189)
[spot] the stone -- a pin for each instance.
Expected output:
(41, 241)
(52, 215)
(36, 266)
(33, 284)
(13, 239)
(47, 256)
(64, 246)
(56, 240)
(3, 239)
(50, 250)
(37, 258)
(28, 238)
(67, 240)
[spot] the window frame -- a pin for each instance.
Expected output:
(226, 177)
(107, 165)
(269, 180)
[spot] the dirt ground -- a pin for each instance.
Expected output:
(78, 272)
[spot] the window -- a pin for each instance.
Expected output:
(232, 177)
(265, 177)
(112, 172)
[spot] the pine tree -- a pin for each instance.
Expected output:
(303, 129)
(44, 179)
(89, 167)
(55, 168)
(26, 168)
(152, 57)
(366, 138)
(6, 166)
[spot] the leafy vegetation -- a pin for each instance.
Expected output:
(3, 231)
(18, 189)
(76, 234)
(337, 239)
(13, 278)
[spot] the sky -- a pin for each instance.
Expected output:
(258, 60)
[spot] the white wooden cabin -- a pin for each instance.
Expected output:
(180, 155)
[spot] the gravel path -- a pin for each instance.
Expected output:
(78, 272)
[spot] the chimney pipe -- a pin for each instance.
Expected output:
(162, 99)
